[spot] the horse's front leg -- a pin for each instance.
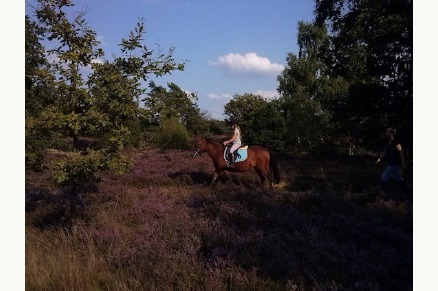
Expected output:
(213, 180)
(229, 178)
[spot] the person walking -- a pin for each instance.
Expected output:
(393, 154)
(236, 139)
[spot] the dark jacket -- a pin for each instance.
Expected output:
(392, 154)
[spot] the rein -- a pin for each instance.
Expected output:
(216, 146)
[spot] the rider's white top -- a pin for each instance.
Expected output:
(237, 140)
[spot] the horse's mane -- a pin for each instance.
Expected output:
(213, 141)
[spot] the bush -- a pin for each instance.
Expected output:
(36, 141)
(172, 135)
(34, 160)
(77, 169)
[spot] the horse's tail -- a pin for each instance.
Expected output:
(274, 167)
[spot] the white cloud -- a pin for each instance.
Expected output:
(219, 97)
(101, 40)
(267, 94)
(52, 58)
(97, 61)
(215, 106)
(249, 63)
(216, 113)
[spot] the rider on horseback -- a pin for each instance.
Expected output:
(236, 139)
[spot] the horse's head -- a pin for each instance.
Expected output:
(200, 147)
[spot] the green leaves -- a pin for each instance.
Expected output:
(76, 169)
(304, 85)
(261, 121)
(172, 134)
(175, 103)
(79, 168)
(137, 61)
(134, 40)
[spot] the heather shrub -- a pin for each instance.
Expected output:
(161, 227)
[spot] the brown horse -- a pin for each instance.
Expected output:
(258, 158)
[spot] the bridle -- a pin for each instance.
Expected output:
(197, 151)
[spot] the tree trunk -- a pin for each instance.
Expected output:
(75, 141)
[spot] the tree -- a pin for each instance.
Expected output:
(305, 87)
(244, 108)
(37, 76)
(269, 127)
(216, 127)
(162, 104)
(111, 103)
(75, 47)
(102, 105)
(37, 95)
(260, 120)
(371, 47)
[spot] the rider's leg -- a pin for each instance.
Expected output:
(233, 148)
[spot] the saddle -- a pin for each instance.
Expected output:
(240, 154)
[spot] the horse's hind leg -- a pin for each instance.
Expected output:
(229, 178)
(262, 176)
(270, 179)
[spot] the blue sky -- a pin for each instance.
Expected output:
(231, 47)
